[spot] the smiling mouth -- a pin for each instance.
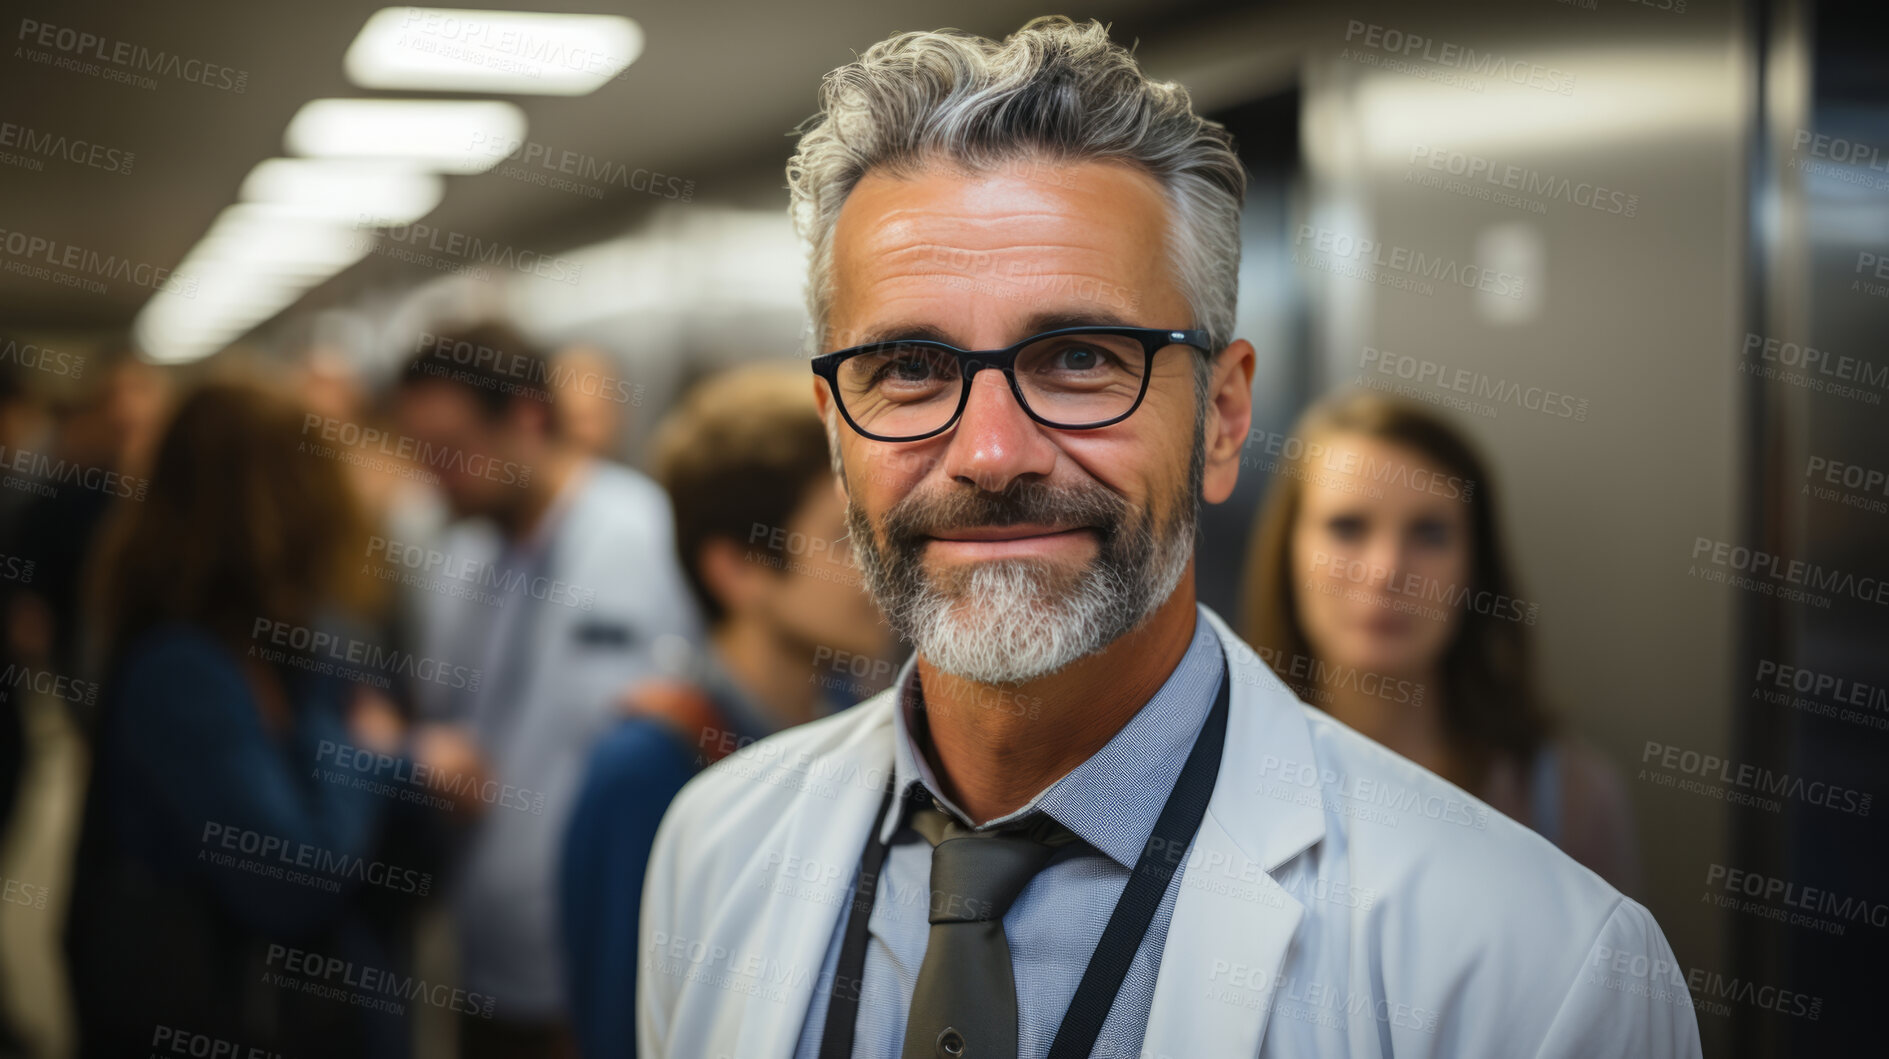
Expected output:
(984, 534)
(998, 542)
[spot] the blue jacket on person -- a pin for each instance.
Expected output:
(209, 849)
(632, 775)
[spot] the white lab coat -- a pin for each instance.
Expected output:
(1338, 900)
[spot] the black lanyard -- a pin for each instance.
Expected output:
(1127, 925)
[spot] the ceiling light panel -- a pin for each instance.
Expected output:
(512, 52)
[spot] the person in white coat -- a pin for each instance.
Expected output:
(1086, 820)
(559, 586)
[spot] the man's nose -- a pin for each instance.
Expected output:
(995, 441)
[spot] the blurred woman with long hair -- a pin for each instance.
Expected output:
(214, 846)
(1378, 587)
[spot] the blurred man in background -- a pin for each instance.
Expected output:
(761, 533)
(560, 588)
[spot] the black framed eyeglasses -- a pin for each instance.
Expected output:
(1073, 378)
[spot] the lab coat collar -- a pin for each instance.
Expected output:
(1230, 909)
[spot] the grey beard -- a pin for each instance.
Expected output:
(1008, 621)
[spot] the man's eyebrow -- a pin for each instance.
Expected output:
(1056, 320)
(900, 332)
(1053, 320)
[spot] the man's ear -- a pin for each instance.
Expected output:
(822, 399)
(1229, 417)
(823, 403)
(727, 573)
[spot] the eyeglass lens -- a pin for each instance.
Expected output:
(905, 390)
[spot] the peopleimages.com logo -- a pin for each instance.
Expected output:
(122, 60)
(275, 857)
(1447, 62)
(362, 661)
(361, 985)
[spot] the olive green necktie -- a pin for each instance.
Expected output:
(965, 1003)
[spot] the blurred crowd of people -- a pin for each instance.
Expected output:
(346, 659)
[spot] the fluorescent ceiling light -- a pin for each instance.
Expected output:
(222, 292)
(173, 328)
(349, 191)
(255, 260)
(514, 52)
(448, 136)
(259, 234)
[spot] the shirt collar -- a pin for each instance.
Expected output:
(1113, 799)
(536, 543)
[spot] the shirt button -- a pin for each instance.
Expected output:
(950, 1043)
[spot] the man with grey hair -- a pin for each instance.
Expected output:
(1086, 819)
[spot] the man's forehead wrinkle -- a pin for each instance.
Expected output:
(917, 229)
(982, 259)
(931, 250)
(893, 273)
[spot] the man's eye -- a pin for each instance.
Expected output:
(905, 369)
(909, 369)
(1081, 360)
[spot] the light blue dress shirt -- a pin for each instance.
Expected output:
(1112, 802)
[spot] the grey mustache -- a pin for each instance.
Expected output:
(917, 517)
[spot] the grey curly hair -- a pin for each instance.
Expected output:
(1055, 91)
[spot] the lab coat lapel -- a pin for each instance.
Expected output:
(1232, 922)
(785, 921)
